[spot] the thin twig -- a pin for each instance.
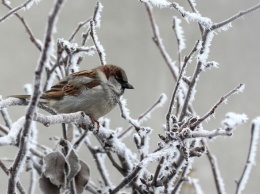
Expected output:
(168, 115)
(99, 47)
(4, 129)
(158, 41)
(18, 184)
(195, 11)
(14, 10)
(181, 179)
(216, 173)
(6, 117)
(80, 25)
(127, 180)
(238, 15)
(213, 109)
(147, 113)
(250, 157)
(28, 30)
(115, 164)
(195, 78)
(45, 55)
(80, 139)
(157, 171)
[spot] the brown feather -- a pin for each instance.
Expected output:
(68, 88)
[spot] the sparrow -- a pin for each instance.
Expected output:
(94, 91)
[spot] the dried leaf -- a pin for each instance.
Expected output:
(73, 165)
(47, 187)
(54, 167)
(82, 178)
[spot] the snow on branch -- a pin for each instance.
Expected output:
(181, 141)
(241, 184)
(232, 120)
(158, 41)
(227, 23)
(179, 33)
(43, 60)
(216, 172)
(97, 14)
(27, 4)
(224, 98)
(203, 21)
(98, 45)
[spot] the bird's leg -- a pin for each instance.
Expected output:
(93, 122)
(92, 127)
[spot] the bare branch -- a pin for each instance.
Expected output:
(213, 109)
(236, 16)
(158, 41)
(14, 10)
(190, 94)
(27, 28)
(80, 25)
(146, 114)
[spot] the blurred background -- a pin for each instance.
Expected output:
(126, 36)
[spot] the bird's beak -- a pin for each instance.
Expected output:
(127, 85)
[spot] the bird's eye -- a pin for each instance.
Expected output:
(120, 80)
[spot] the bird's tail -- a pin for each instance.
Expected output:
(23, 97)
(27, 97)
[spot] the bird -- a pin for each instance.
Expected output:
(94, 91)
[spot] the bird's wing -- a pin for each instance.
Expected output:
(72, 85)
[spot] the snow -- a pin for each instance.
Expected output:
(11, 138)
(98, 15)
(188, 16)
(232, 120)
(202, 57)
(179, 33)
(99, 46)
(158, 3)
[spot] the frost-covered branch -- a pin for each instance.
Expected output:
(251, 156)
(236, 16)
(16, 101)
(147, 114)
(18, 184)
(5, 115)
(44, 59)
(99, 159)
(216, 172)
(80, 25)
(237, 89)
(204, 50)
(27, 4)
(95, 23)
(158, 41)
(126, 115)
(27, 28)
